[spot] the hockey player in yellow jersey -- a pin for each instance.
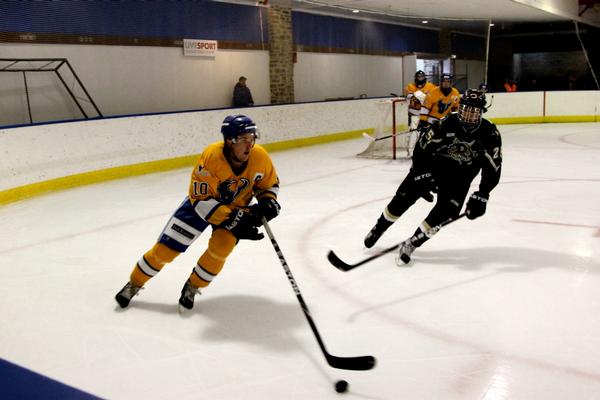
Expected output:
(415, 95)
(439, 102)
(227, 176)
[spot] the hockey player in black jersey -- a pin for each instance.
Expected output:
(448, 156)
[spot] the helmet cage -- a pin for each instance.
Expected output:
(470, 115)
(420, 78)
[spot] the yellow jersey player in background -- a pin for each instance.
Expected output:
(415, 95)
(439, 102)
(224, 181)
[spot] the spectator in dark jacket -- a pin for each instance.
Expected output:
(241, 94)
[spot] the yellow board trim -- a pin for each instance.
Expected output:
(546, 119)
(572, 118)
(87, 178)
(102, 175)
(517, 120)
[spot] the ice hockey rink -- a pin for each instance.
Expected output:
(503, 307)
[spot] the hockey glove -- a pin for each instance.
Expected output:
(267, 207)
(243, 225)
(425, 184)
(476, 205)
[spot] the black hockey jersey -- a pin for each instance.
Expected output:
(449, 150)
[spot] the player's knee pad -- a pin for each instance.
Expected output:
(220, 245)
(400, 203)
(160, 254)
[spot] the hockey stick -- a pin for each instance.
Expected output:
(361, 363)
(342, 266)
(372, 139)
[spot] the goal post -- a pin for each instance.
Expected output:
(392, 138)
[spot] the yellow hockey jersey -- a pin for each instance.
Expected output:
(414, 104)
(215, 190)
(437, 105)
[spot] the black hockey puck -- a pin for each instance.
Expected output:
(405, 258)
(341, 386)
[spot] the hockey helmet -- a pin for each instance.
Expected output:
(472, 106)
(236, 125)
(420, 78)
(446, 78)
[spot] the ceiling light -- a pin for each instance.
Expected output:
(424, 22)
(491, 24)
(355, 11)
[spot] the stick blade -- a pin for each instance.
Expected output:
(367, 136)
(362, 363)
(337, 262)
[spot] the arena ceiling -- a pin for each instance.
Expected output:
(458, 15)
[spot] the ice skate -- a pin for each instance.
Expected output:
(404, 253)
(373, 236)
(188, 292)
(126, 294)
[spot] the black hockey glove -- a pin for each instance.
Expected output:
(266, 207)
(243, 225)
(476, 205)
(425, 184)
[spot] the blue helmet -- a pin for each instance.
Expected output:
(235, 125)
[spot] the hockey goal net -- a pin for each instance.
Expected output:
(392, 138)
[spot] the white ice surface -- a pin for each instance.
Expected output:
(503, 307)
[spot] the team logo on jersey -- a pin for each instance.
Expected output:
(228, 190)
(442, 107)
(461, 151)
(258, 176)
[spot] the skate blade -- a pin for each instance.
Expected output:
(182, 310)
(403, 261)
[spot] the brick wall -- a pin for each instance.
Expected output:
(281, 52)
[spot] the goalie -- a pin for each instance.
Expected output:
(447, 158)
(415, 95)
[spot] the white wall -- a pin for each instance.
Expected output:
(579, 103)
(318, 76)
(475, 70)
(409, 64)
(126, 80)
(515, 105)
(130, 80)
(544, 104)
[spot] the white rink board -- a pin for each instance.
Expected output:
(43, 152)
